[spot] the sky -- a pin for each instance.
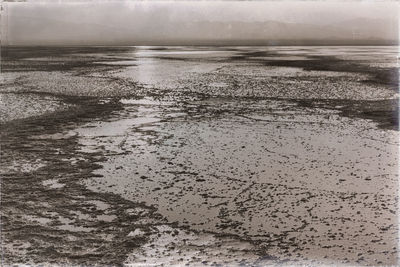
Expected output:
(196, 22)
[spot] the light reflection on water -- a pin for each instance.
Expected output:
(259, 169)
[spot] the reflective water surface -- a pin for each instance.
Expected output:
(250, 155)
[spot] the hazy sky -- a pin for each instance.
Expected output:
(105, 22)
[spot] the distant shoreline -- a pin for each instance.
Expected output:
(191, 45)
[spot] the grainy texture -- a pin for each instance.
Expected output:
(189, 155)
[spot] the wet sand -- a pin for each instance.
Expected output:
(253, 156)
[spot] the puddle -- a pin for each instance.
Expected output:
(36, 219)
(53, 184)
(100, 205)
(122, 62)
(144, 101)
(69, 225)
(106, 218)
(56, 136)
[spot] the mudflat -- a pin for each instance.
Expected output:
(199, 155)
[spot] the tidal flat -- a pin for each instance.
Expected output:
(221, 156)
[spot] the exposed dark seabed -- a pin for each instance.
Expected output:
(253, 156)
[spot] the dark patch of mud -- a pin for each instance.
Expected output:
(384, 112)
(385, 76)
(21, 59)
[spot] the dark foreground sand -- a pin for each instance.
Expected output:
(206, 156)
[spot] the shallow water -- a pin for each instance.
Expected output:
(276, 172)
(170, 70)
(221, 143)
